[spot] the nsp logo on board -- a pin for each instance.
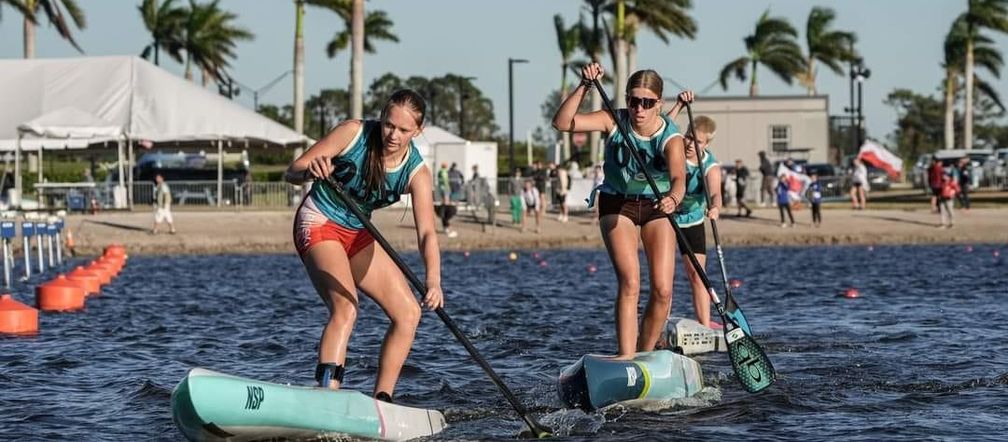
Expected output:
(255, 397)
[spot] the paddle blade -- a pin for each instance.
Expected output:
(751, 364)
(733, 311)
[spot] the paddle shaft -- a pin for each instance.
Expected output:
(680, 238)
(421, 288)
(703, 188)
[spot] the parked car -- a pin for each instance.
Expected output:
(919, 172)
(832, 182)
(949, 158)
(878, 179)
(996, 168)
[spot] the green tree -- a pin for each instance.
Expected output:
(661, 17)
(447, 90)
(773, 45)
(985, 55)
(53, 11)
(164, 22)
(209, 37)
(918, 124)
(828, 46)
(980, 14)
(377, 26)
(567, 42)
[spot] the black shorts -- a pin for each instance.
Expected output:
(696, 238)
(739, 193)
(936, 191)
(639, 209)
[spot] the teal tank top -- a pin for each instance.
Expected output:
(349, 170)
(694, 204)
(622, 175)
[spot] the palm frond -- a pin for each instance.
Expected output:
(737, 68)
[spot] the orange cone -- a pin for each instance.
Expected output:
(59, 295)
(70, 242)
(17, 318)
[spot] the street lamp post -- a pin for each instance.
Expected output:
(262, 90)
(858, 74)
(511, 159)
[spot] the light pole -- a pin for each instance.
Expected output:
(511, 62)
(462, 97)
(858, 74)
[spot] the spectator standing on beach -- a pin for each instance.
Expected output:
(741, 181)
(540, 175)
(767, 185)
(964, 174)
(631, 211)
(531, 199)
(444, 184)
(563, 186)
(377, 162)
(784, 200)
(475, 175)
(950, 187)
(936, 176)
(455, 180)
(162, 205)
(516, 184)
(814, 195)
(859, 185)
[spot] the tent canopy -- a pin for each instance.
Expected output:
(70, 122)
(143, 100)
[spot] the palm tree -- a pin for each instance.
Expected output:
(377, 26)
(53, 10)
(826, 45)
(773, 45)
(980, 14)
(299, 101)
(357, 60)
(661, 17)
(164, 22)
(567, 42)
(985, 55)
(592, 44)
(209, 37)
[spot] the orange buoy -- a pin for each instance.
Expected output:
(851, 293)
(115, 250)
(592, 268)
(543, 263)
(104, 272)
(59, 295)
(114, 264)
(90, 280)
(735, 283)
(17, 318)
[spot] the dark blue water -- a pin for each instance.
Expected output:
(922, 355)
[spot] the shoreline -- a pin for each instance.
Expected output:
(205, 232)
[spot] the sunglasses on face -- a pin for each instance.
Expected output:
(644, 103)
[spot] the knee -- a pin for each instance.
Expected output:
(661, 294)
(629, 288)
(409, 317)
(343, 313)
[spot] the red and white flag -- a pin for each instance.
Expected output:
(880, 157)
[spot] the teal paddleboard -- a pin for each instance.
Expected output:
(595, 382)
(211, 406)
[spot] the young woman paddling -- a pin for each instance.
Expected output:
(376, 161)
(628, 209)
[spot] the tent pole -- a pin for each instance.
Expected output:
(220, 171)
(17, 170)
(129, 178)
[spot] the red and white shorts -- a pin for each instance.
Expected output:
(311, 227)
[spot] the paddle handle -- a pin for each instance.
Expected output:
(421, 288)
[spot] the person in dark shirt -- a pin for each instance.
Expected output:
(965, 175)
(814, 195)
(767, 170)
(741, 180)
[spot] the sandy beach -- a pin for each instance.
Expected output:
(229, 231)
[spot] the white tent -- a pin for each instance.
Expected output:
(439, 146)
(148, 103)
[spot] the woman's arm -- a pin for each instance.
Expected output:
(422, 194)
(316, 162)
(567, 118)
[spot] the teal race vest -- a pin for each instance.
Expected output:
(694, 204)
(622, 175)
(349, 170)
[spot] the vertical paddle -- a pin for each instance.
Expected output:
(731, 307)
(749, 361)
(537, 429)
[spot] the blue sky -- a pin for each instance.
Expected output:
(901, 41)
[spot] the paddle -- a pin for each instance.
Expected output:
(750, 363)
(731, 307)
(537, 429)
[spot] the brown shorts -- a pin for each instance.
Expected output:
(638, 208)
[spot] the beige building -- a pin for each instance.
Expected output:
(783, 126)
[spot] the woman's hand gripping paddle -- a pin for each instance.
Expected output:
(750, 362)
(537, 429)
(732, 310)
